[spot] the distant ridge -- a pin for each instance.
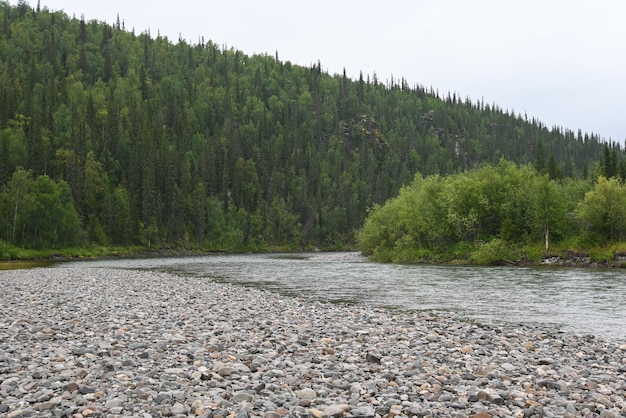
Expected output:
(198, 146)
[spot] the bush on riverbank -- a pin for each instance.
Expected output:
(503, 214)
(11, 252)
(498, 252)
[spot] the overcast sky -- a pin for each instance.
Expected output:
(561, 61)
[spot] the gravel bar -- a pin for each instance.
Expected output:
(92, 342)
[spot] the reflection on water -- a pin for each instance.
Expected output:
(579, 300)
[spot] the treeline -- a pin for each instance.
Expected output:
(495, 214)
(171, 144)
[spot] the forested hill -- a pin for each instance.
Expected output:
(166, 143)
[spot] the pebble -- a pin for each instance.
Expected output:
(88, 342)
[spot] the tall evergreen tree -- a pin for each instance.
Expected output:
(205, 145)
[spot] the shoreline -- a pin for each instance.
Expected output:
(565, 259)
(98, 342)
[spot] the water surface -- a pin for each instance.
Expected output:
(582, 300)
(24, 264)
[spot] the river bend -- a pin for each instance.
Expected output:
(580, 300)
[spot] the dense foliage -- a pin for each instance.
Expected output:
(486, 215)
(132, 139)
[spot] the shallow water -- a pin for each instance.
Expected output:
(21, 265)
(585, 301)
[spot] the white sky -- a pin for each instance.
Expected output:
(561, 61)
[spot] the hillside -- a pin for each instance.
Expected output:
(136, 139)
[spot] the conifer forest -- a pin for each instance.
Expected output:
(112, 137)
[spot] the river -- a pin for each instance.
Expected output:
(580, 300)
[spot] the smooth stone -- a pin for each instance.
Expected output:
(178, 408)
(226, 371)
(335, 411)
(316, 413)
(114, 403)
(306, 393)
(242, 397)
(48, 405)
(432, 365)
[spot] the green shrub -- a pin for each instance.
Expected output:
(4, 250)
(495, 252)
(462, 250)
(535, 252)
(411, 255)
(601, 255)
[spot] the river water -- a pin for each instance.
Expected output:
(581, 300)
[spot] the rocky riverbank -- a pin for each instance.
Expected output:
(80, 342)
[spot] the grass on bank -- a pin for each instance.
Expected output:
(14, 253)
(499, 252)
(10, 252)
(492, 253)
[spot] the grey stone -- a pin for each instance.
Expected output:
(164, 345)
(242, 397)
(114, 403)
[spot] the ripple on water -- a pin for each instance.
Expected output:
(579, 300)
